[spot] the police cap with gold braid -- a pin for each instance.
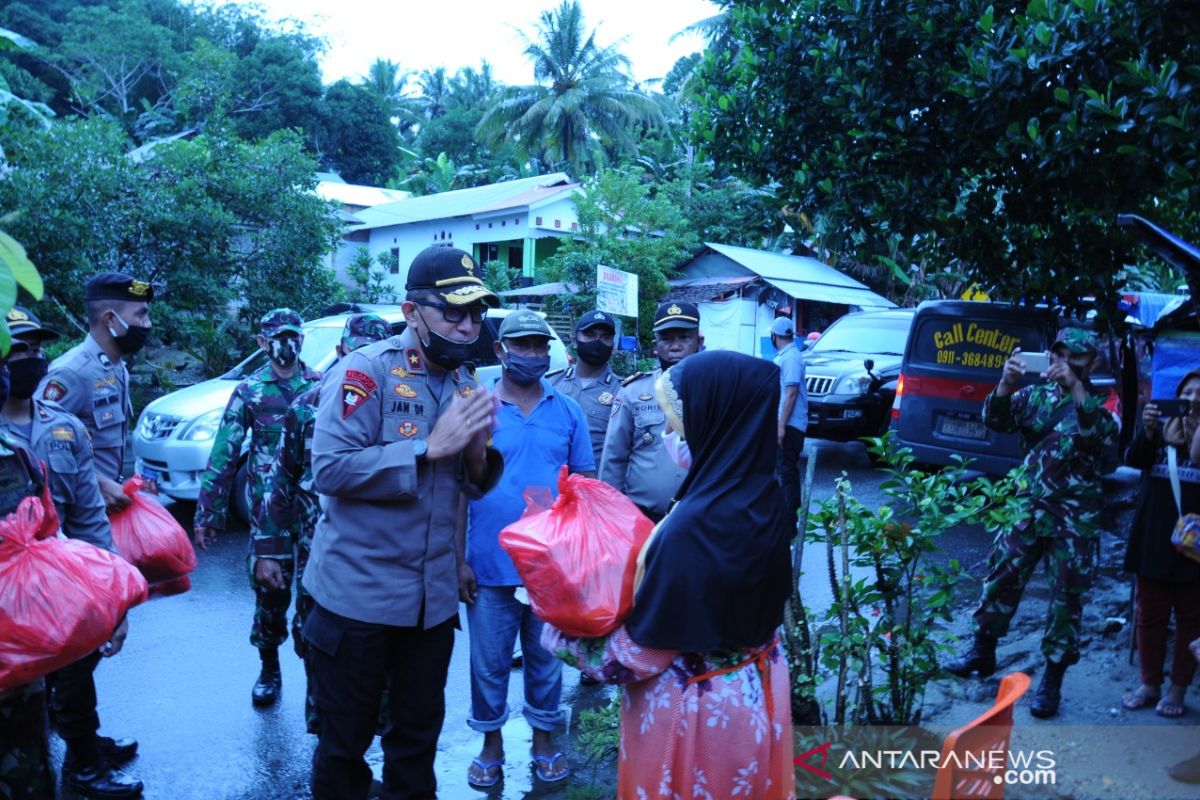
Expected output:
(676, 314)
(450, 274)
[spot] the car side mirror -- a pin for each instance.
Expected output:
(869, 364)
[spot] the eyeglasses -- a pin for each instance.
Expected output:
(456, 314)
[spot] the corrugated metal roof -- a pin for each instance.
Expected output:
(353, 194)
(464, 202)
(803, 278)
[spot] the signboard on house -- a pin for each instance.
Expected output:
(616, 291)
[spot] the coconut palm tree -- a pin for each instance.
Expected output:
(435, 92)
(388, 81)
(583, 105)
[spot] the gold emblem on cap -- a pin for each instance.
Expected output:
(674, 309)
(17, 315)
(468, 265)
(139, 288)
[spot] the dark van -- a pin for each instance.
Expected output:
(953, 359)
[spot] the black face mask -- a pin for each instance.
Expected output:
(26, 374)
(596, 353)
(284, 352)
(526, 371)
(132, 340)
(446, 353)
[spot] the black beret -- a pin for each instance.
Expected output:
(118, 286)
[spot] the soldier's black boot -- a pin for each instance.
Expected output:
(981, 658)
(266, 688)
(1049, 693)
(91, 774)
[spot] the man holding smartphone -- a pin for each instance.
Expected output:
(1065, 430)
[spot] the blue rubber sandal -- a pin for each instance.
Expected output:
(484, 766)
(542, 763)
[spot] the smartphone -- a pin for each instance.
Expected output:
(1035, 363)
(1173, 407)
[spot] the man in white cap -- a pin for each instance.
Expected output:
(793, 411)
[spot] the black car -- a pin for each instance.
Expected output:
(851, 372)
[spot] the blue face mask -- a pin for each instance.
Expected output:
(525, 370)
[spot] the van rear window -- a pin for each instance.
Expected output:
(975, 345)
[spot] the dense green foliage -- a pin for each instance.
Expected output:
(993, 141)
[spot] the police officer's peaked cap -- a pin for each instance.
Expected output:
(118, 286)
(281, 320)
(1077, 340)
(597, 318)
(524, 323)
(676, 314)
(363, 329)
(450, 274)
(23, 322)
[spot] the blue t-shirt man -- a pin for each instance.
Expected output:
(535, 448)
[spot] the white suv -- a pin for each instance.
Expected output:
(174, 434)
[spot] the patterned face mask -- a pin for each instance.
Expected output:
(284, 352)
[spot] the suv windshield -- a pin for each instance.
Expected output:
(865, 334)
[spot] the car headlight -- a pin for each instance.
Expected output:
(853, 384)
(203, 427)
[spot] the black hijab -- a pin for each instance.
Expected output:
(717, 571)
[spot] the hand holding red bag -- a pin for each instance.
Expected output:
(577, 558)
(59, 599)
(147, 536)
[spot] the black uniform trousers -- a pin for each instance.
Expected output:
(75, 715)
(787, 470)
(352, 662)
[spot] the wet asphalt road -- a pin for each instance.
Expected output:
(182, 684)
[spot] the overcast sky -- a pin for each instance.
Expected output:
(425, 34)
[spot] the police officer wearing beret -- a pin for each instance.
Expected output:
(61, 443)
(591, 381)
(635, 460)
(402, 432)
(91, 381)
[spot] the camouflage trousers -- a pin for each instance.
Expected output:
(270, 627)
(1070, 568)
(25, 770)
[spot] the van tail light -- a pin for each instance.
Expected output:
(896, 402)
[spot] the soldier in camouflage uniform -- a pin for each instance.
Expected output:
(257, 408)
(284, 528)
(635, 460)
(1065, 429)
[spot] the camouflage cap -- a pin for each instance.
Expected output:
(281, 320)
(1077, 340)
(363, 329)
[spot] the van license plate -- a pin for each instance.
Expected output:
(965, 429)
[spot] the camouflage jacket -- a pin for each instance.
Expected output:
(256, 408)
(291, 506)
(1063, 450)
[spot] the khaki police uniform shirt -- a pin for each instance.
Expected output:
(596, 399)
(90, 385)
(635, 459)
(58, 439)
(384, 546)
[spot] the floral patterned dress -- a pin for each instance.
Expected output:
(693, 725)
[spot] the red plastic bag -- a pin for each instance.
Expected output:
(59, 599)
(147, 536)
(578, 557)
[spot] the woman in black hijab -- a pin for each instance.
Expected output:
(706, 703)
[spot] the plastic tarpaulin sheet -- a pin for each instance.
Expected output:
(1176, 353)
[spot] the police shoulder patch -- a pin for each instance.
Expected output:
(357, 386)
(55, 390)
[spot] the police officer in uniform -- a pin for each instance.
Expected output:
(90, 380)
(25, 769)
(591, 381)
(635, 460)
(402, 432)
(59, 441)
